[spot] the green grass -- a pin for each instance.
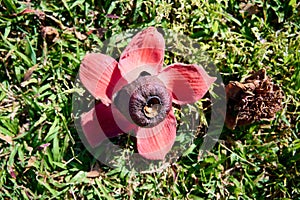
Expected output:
(41, 155)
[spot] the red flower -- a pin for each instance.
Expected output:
(137, 94)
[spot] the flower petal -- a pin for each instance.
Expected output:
(103, 122)
(145, 52)
(99, 74)
(188, 82)
(154, 143)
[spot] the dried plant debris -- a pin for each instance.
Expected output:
(255, 99)
(50, 34)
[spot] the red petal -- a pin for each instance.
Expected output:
(154, 143)
(145, 52)
(103, 122)
(99, 74)
(188, 83)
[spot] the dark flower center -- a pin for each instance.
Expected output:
(146, 101)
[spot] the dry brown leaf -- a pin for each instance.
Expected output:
(6, 138)
(248, 9)
(79, 35)
(29, 72)
(50, 34)
(31, 161)
(93, 174)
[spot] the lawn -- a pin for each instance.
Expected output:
(42, 45)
